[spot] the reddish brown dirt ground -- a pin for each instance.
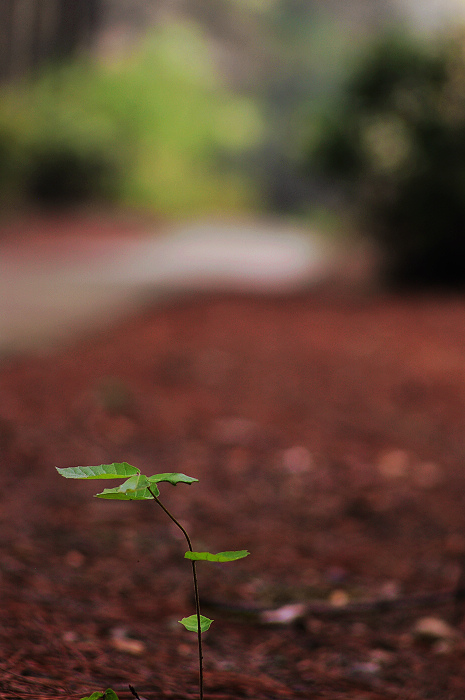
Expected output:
(328, 436)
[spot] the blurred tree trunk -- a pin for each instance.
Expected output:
(6, 37)
(76, 26)
(33, 32)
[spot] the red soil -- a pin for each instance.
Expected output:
(329, 439)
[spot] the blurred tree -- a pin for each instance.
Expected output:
(275, 51)
(394, 143)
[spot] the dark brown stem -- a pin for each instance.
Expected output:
(196, 589)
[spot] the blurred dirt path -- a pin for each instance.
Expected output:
(64, 275)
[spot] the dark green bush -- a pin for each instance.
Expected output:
(61, 175)
(394, 144)
(9, 166)
(70, 157)
(54, 153)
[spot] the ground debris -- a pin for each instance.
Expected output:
(330, 445)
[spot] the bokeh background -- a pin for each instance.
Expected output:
(314, 151)
(182, 108)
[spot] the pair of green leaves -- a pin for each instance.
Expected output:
(135, 488)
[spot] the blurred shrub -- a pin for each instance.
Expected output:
(394, 143)
(64, 170)
(149, 127)
(56, 153)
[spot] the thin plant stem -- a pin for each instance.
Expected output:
(196, 589)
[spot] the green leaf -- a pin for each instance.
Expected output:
(133, 489)
(109, 694)
(221, 556)
(191, 623)
(115, 495)
(117, 470)
(173, 478)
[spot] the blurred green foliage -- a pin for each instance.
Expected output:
(393, 143)
(198, 117)
(151, 128)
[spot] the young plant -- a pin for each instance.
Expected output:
(138, 487)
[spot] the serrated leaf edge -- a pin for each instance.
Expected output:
(81, 472)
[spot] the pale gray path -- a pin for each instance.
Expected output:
(45, 299)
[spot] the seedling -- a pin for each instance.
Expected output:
(138, 487)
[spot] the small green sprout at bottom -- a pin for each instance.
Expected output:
(108, 694)
(138, 487)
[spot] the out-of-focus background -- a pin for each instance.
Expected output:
(232, 244)
(187, 108)
(346, 120)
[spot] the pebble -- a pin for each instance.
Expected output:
(394, 464)
(433, 629)
(390, 590)
(339, 598)
(121, 642)
(130, 646)
(284, 615)
(297, 460)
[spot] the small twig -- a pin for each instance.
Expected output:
(288, 614)
(134, 692)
